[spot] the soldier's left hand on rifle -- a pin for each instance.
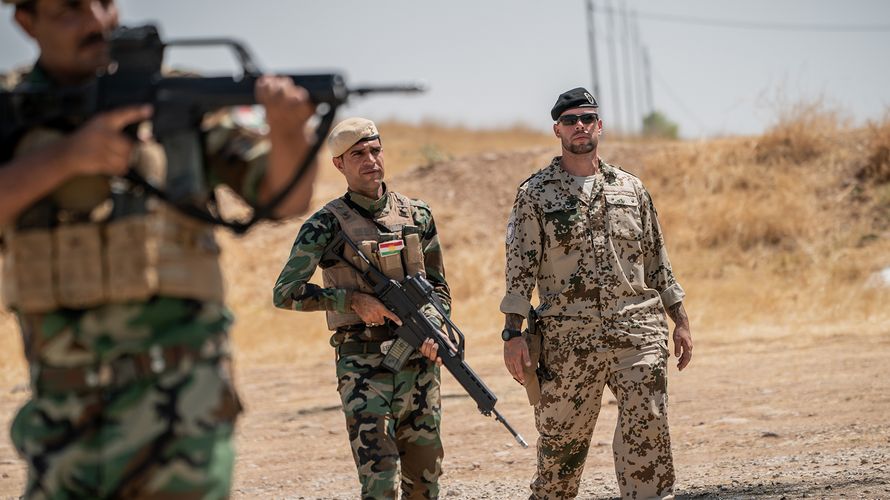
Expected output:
(288, 108)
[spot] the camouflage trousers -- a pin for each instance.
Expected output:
(160, 432)
(567, 412)
(393, 418)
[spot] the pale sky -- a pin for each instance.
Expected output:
(492, 63)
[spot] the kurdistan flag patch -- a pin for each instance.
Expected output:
(388, 248)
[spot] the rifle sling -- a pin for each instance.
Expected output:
(364, 213)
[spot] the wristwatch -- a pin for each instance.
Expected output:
(510, 333)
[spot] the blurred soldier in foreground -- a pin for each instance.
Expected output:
(392, 414)
(587, 235)
(119, 297)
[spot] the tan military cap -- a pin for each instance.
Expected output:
(350, 131)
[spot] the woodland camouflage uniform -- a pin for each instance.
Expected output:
(391, 418)
(604, 278)
(131, 397)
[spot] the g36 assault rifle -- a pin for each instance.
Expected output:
(180, 104)
(407, 299)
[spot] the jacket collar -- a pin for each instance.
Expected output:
(571, 189)
(374, 207)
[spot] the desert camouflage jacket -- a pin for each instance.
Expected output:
(293, 290)
(599, 258)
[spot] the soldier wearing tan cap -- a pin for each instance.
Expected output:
(122, 316)
(391, 416)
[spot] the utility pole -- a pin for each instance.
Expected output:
(591, 40)
(629, 90)
(615, 105)
(647, 68)
(639, 73)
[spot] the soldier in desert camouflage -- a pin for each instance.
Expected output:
(119, 298)
(587, 235)
(391, 416)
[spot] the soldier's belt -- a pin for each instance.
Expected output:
(127, 369)
(352, 348)
(364, 333)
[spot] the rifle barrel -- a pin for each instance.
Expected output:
(500, 418)
(389, 89)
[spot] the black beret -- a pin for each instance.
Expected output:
(575, 98)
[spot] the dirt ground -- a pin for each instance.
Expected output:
(770, 414)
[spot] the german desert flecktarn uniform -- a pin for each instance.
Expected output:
(391, 418)
(604, 279)
(119, 299)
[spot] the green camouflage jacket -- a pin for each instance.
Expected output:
(236, 156)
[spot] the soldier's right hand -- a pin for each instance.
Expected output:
(100, 146)
(516, 358)
(371, 310)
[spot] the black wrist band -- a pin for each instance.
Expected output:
(510, 333)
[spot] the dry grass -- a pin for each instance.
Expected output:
(764, 232)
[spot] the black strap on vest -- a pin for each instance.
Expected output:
(364, 213)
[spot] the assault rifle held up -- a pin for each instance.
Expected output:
(407, 299)
(180, 104)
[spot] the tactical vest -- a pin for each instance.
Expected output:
(403, 257)
(111, 255)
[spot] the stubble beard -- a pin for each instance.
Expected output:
(580, 149)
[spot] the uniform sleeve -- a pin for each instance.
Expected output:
(657, 267)
(432, 253)
(524, 242)
(293, 290)
(236, 155)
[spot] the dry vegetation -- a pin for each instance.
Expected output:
(784, 228)
(764, 232)
(776, 239)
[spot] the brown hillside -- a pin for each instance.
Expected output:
(776, 239)
(783, 228)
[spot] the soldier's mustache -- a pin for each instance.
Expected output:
(92, 38)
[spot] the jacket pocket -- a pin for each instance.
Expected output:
(563, 225)
(623, 210)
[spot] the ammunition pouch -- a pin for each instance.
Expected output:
(84, 265)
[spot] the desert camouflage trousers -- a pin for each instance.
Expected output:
(164, 431)
(393, 418)
(570, 403)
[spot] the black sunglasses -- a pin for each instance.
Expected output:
(586, 119)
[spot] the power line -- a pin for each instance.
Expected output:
(615, 90)
(840, 28)
(673, 95)
(628, 71)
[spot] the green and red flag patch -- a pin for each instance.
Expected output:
(393, 247)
